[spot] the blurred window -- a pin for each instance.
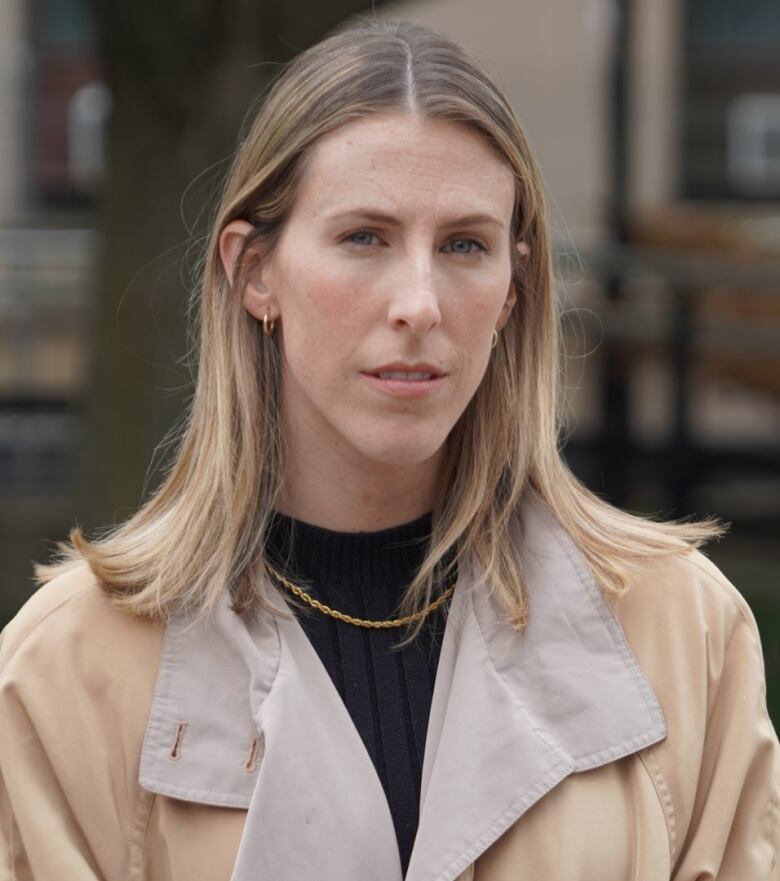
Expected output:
(753, 146)
(62, 23)
(71, 106)
(731, 95)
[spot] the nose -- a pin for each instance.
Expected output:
(414, 302)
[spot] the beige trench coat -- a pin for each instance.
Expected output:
(611, 741)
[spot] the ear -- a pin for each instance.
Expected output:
(257, 297)
(511, 297)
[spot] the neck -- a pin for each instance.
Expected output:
(336, 492)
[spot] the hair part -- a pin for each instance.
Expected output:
(202, 530)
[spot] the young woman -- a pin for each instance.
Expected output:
(370, 626)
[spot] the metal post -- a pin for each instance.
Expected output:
(617, 446)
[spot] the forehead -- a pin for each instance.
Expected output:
(406, 163)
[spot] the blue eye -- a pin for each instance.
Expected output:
(363, 237)
(361, 232)
(480, 246)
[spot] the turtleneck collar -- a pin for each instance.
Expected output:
(386, 558)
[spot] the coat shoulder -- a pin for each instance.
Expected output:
(689, 597)
(695, 637)
(688, 624)
(70, 615)
(77, 677)
(49, 601)
(715, 589)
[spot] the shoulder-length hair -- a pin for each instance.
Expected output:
(203, 529)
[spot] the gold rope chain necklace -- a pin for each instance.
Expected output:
(359, 622)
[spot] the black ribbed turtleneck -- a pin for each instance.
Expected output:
(388, 694)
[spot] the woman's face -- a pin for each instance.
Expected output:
(395, 257)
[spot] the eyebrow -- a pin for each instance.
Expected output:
(382, 217)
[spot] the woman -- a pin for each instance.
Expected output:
(218, 688)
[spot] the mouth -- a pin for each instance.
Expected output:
(400, 371)
(406, 376)
(406, 383)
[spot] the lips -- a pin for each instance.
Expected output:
(391, 383)
(398, 374)
(417, 372)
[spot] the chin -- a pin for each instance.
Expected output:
(402, 449)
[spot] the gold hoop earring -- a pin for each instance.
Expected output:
(268, 326)
(495, 339)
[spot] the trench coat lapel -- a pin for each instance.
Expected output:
(512, 715)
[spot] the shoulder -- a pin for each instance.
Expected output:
(77, 678)
(682, 603)
(70, 621)
(695, 638)
(691, 629)
(47, 607)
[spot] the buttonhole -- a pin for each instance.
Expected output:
(255, 754)
(175, 752)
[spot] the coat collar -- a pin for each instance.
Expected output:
(245, 715)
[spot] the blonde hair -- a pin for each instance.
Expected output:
(202, 530)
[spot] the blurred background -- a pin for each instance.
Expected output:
(657, 127)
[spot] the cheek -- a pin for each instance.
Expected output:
(480, 292)
(323, 284)
(472, 317)
(474, 311)
(325, 315)
(302, 293)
